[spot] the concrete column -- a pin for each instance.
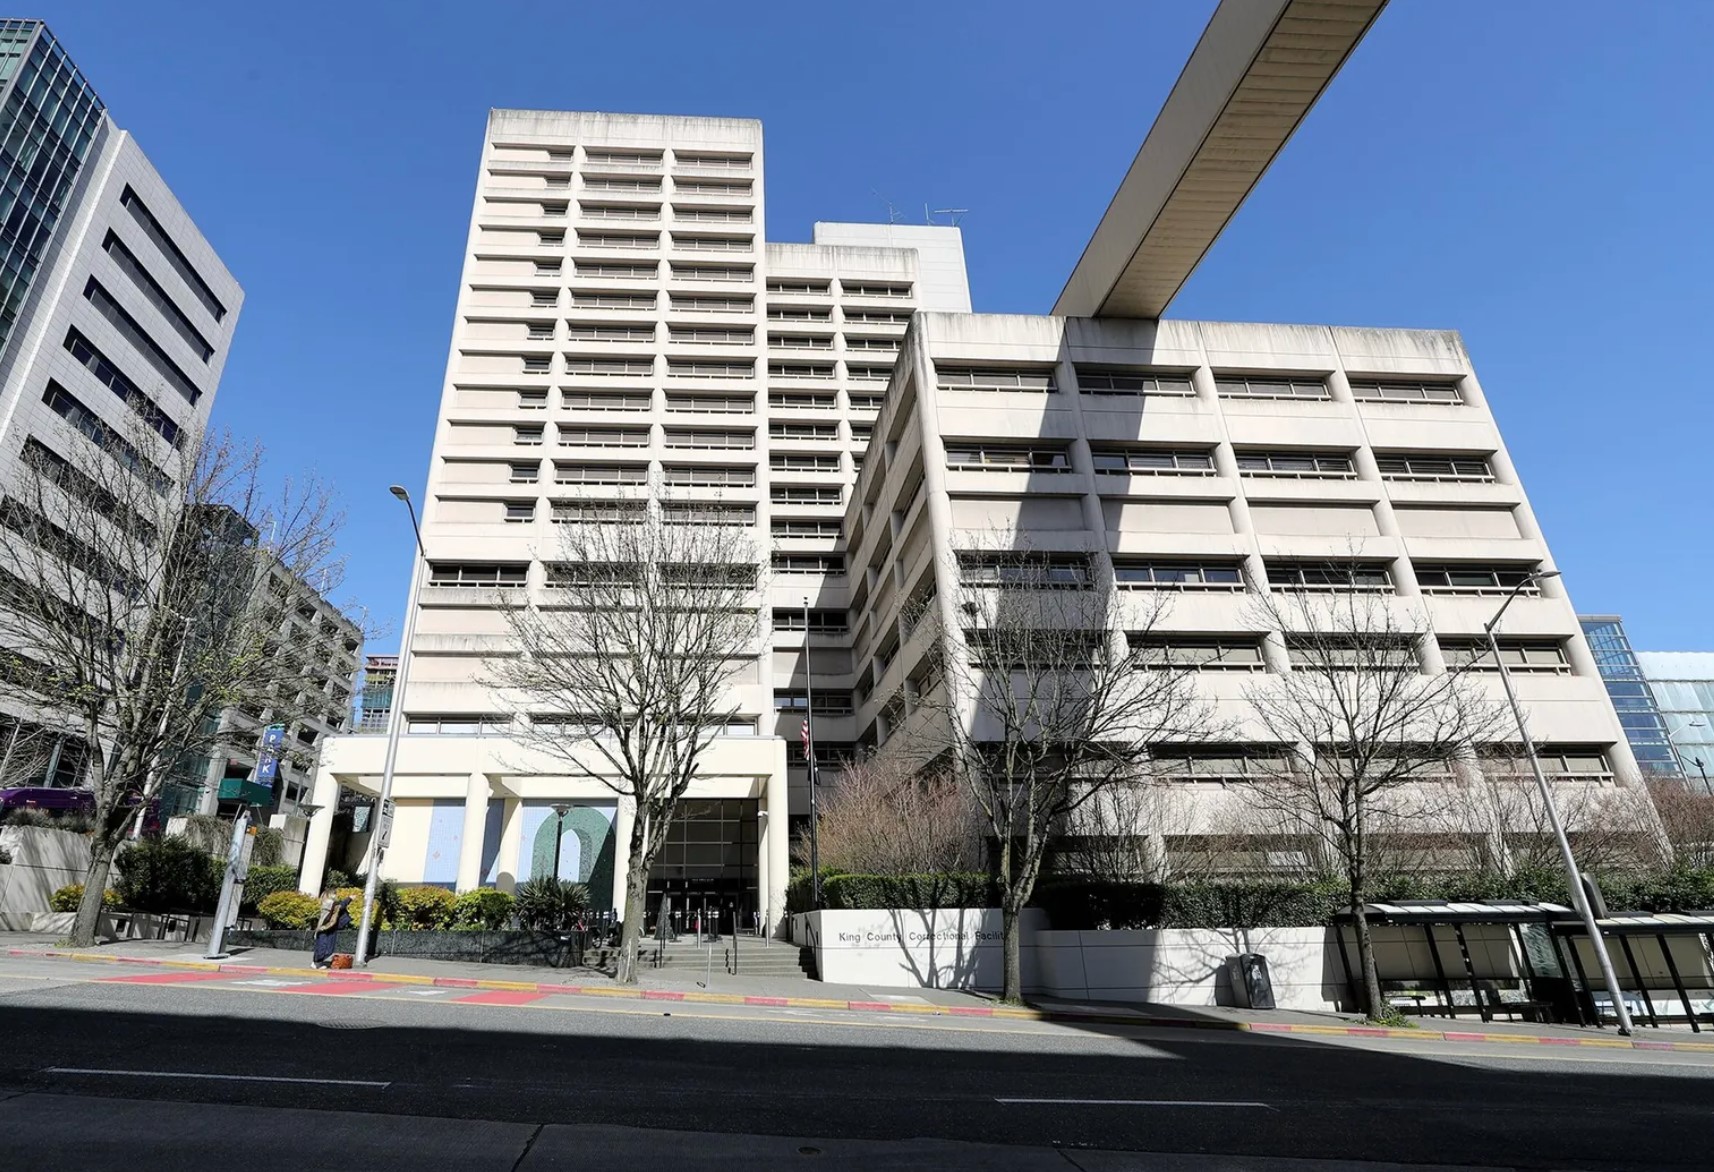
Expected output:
(773, 862)
(475, 822)
(511, 838)
(622, 850)
(326, 799)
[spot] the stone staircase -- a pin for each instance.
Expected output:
(756, 958)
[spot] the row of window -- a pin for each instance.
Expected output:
(649, 212)
(554, 181)
(644, 367)
(712, 403)
(1005, 457)
(1052, 571)
(1121, 381)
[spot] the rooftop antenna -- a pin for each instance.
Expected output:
(892, 212)
(928, 216)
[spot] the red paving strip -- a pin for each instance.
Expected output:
(869, 1006)
(164, 978)
(500, 997)
(777, 1002)
(334, 988)
(662, 995)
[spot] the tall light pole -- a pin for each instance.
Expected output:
(560, 810)
(1678, 751)
(809, 756)
(395, 725)
(1579, 899)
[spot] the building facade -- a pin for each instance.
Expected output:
(116, 315)
(623, 323)
(1634, 699)
(1682, 683)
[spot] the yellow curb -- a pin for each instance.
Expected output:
(508, 986)
(600, 992)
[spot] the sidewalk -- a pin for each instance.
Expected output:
(720, 988)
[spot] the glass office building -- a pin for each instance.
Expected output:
(1682, 683)
(48, 118)
(1644, 726)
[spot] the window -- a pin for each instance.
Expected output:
(528, 435)
(628, 367)
(539, 331)
(785, 286)
(679, 437)
(71, 409)
(605, 400)
(620, 211)
(1350, 653)
(705, 368)
(869, 373)
(712, 272)
(1309, 464)
(127, 327)
(801, 341)
(614, 301)
(710, 187)
(860, 432)
(827, 702)
(1474, 579)
(1535, 655)
(554, 209)
(798, 313)
(1329, 576)
(1238, 386)
(809, 563)
(115, 380)
(886, 345)
(617, 271)
(804, 431)
(597, 512)
(1405, 391)
(806, 494)
(1420, 466)
(683, 513)
(826, 530)
(711, 404)
(554, 239)
(618, 332)
(713, 243)
(1155, 461)
(619, 239)
(1006, 458)
(543, 298)
(711, 335)
(879, 317)
(800, 370)
(523, 472)
(1217, 763)
(873, 289)
(713, 304)
(478, 574)
(1559, 762)
(600, 473)
(603, 437)
(601, 158)
(802, 462)
(1038, 571)
(1131, 575)
(606, 184)
(819, 622)
(787, 400)
(537, 365)
(1119, 381)
(175, 256)
(126, 262)
(982, 378)
(712, 161)
(865, 402)
(1197, 653)
(520, 511)
(712, 215)
(461, 725)
(708, 476)
(533, 400)
(547, 268)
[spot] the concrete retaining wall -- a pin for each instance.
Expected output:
(43, 861)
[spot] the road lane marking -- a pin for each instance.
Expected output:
(161, 978)
(1141, 1102)
(328, 1082)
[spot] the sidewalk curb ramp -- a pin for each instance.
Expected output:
(1009, 1012)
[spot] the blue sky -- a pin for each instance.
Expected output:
(1533, 173)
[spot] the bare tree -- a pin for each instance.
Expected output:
(1609, 827)
(624, 665)
(1376, 745)
(138, 599)
(1686, 814)
(1051, 698)
(886, 815)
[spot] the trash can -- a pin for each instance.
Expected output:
(1248, 974)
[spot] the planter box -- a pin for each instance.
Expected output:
(544, 949)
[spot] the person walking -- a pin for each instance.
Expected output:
(333, 919)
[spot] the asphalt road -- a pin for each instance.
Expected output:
(104, 1068)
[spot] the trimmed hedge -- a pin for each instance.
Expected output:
(67, 898)
(171, 874)
(263, 881)
(486, 909)
(290, 909)
(424, 908)
(850, 892)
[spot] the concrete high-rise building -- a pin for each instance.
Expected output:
(622, 323)
(115, 314)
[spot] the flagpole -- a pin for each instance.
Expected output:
(809, 756)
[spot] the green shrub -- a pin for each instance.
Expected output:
(263, 881)
(67, 898)
(386, 902)
(270, 847)
(485, 909)
(75, 821)
(425, 908)
(290, 909)
(549, 904)
(168, 875)
(337, 878)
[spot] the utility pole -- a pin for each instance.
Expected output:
(809, 756)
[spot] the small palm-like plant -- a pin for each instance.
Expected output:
(549, 904)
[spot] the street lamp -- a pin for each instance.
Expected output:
(1678, 751)
(809, 758)
(395, 724)
(560, 809)
(1579, 898)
